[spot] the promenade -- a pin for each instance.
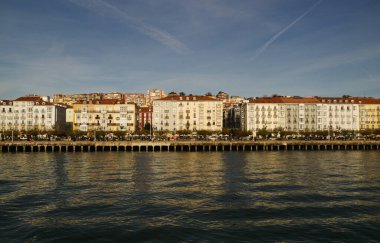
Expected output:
(186, 146)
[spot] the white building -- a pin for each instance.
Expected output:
(338, 114)
(264, 113)
(194, 113)
(288, 113)
(31, 112)
(302, 114)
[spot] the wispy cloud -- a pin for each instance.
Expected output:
(356, 56)
(278, 35)
(103, 8)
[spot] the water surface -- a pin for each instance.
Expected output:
(231, 196)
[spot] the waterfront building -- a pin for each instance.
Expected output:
(287, 113)
(300, 113)
(69, 117)
(6, 109)
(193, 113)
(263, 113)
(105, 115)
(233, 115)
(31, 113)
(369, 113)
(154, 94)
(336, 114)
(311, 114)
(144, 117)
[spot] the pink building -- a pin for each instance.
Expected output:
(144, 116)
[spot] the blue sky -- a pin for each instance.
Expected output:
(243, 47)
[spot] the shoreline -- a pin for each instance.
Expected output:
(187, 146)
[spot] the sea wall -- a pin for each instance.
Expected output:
(184, 146)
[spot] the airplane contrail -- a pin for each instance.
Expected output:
(103, 8)
(276, 36)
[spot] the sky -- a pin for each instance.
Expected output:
(242, 47)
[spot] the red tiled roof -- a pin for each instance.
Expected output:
(281, 100)
(29, 98)
(189, 98)
(355, 100)
(5, 102)
(36, 99)
(313, 100)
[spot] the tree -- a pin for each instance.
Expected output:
(208, 94)
(183, 132)
(119, 134)
(182, 93)
(204, 133)
(147, 127)
(276, 95)
(263, 133)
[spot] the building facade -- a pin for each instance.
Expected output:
(369, 114)
(192, 113)
(104, 115)
(287, 113)
(31, 113)
(233, 116)
(154, 94)
(145, 117)
(338, 114)
(312, 114)
(137, 98)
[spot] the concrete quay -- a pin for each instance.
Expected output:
(184, 146)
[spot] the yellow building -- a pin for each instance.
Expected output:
(369, 109)
(104, 115)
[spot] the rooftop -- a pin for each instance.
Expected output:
(188, 98)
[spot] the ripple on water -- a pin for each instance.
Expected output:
(246, 197)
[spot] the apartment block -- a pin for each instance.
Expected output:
(137, 98)
(105, 115)
(288, 113)
(338, 113)
(193, 113)
(145, 117)
(312, 114)
(31, 113)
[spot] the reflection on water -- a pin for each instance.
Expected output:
(190, 196)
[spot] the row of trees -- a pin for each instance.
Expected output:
(35, 133)
(344, 133)
(233, 133)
